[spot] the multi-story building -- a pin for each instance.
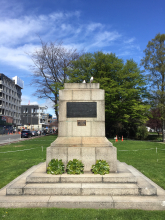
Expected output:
(10, 99)
(47, 117)
(33, 117)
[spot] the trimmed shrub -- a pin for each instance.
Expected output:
(55, 167)
(75, 167)
(101, 167)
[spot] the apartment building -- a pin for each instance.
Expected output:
(10, 99)
(33, 117)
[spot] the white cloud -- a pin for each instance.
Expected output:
(93, 26)
(129, 41)
(107, 36)
(129, 47)
(22, 30)
(103, 39)
(73, 14)
(17, 56)
(19, 34)
(56, 16)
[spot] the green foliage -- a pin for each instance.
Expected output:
(81, 69)
(125, 90)
(154, 63)
(101, 167)
(142, 132)
(55, 167)
(75, 167)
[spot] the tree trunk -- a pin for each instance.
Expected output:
(163, 131)
(56, 106)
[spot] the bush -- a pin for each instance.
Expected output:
(55, 167)
(101, 167)
(142, 132)
(75, 167)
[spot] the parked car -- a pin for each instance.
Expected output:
(39, 132)
(47, 131)
(26, 133)
(34, 133)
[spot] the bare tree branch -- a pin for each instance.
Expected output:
(50, 63)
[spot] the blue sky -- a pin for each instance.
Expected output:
(123, 27)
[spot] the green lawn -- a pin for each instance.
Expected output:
(79, 214)
(140, 154)
(24, 155)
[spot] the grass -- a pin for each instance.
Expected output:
(136, 153)
(80, 214)
(23, 155)
(142, 155)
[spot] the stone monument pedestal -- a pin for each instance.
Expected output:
(82, 127)
(86, 149)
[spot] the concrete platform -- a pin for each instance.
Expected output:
(127, 189)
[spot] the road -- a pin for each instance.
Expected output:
(4, 139)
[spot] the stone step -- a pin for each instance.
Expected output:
(20, 194)
(95, 202)
(77, 189)
(82, 178)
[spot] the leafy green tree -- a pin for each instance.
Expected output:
(81, 69)
(125, 91)
(154, 120)
(154, 64)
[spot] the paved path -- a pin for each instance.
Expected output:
(5, 139)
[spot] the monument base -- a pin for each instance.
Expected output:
(86, 149)
(126, 189)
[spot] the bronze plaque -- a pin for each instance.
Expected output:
(81, 109)
(81, 122)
